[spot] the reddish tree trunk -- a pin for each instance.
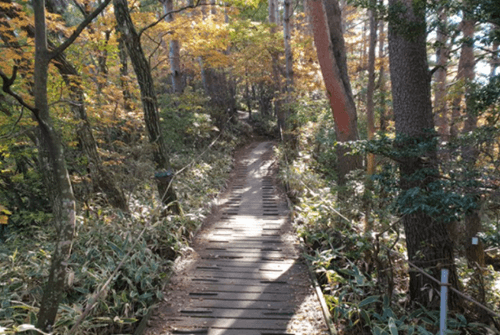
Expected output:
(330, 46)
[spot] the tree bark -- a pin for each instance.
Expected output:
(329, 41)
(465, 71)
(442, 56)
(474, 253)
(142, 70)
(428, 243)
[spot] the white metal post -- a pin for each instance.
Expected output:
(444, 301)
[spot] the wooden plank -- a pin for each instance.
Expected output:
(246, 265)
(261, 288)
(241, 304)
(224, 331)
(284, 314)
(257, 324)
(208, 295)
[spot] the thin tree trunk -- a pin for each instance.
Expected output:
(127, 96)
(280, 114)
(428, 243)
(288, 48)
(174, 53)
(370, 114)
(142, 70)
(381, 80)
(495, 60)
(101, 177)
(329, 41)
(248, 99)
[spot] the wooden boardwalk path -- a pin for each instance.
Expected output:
(246, 276)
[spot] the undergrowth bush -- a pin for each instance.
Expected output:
(103, 238)
(363, 275)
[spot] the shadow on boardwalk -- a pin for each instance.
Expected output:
(245, 276)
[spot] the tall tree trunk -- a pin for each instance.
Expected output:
(465, 66)
(280, 114)
(54, 167)
(288, 48)
(474, 253)
(329, 41)
(428, 243)
(142, 70)
(174, 53)
(381, 79)
(370, 113)
(442, 55)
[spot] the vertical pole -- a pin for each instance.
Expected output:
(444, 301)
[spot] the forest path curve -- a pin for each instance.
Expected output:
(244, 275)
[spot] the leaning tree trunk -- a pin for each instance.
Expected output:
(327, 29)
(101, 177)
(428, 243)
(142, 70)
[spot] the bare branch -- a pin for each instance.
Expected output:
(197, 4)
(7, 83)
(9, 134)
(79, 29)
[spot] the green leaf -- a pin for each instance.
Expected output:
(423, 331)
(392, 327)
(369, 300)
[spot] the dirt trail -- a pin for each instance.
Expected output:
(244, 275)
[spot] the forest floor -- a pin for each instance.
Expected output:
(243, 273)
